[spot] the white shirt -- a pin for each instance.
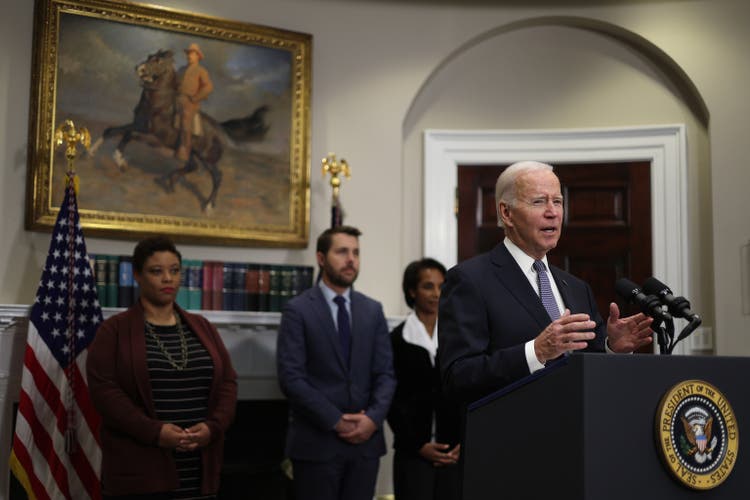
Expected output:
(416, 334)
(526, 264)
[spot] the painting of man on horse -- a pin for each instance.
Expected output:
(184, 126)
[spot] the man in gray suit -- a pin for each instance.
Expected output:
(506, 313)
(335, 367)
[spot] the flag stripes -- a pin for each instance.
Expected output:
(56, 452)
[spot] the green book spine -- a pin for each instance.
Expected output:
(286, 289)
(194, 282)
(274, 292)
(100, 275)
(113, 280)
(182, 292)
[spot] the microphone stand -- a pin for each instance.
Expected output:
(664, 335)
(694, 323)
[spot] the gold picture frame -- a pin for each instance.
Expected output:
(114, 68)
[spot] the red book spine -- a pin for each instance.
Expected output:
(207, 300)
(217, 287)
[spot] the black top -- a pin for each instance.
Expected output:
(180, 396)
(418, 398)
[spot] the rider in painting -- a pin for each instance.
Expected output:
(194, 86)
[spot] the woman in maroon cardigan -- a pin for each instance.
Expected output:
(164, 385)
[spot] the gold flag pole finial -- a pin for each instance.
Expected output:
(335, 167)
(66, 133)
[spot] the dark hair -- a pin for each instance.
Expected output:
(325, 240)
(411, 276)
(148, 247)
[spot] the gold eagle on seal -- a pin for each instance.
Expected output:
(699, 435)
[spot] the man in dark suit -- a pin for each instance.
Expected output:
(335, 367)
(503, 315)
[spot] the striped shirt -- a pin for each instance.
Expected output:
(180, 396)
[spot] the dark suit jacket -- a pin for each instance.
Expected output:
(314, 378)
(418, 397)
(488, 311)
(132, 461)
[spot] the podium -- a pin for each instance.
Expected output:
(584, 429)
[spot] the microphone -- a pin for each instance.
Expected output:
(649, 304)
(679, 307)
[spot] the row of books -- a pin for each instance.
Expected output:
(207, 285)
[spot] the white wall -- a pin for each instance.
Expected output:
(370, 62)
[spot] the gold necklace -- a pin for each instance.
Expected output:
(183, 344)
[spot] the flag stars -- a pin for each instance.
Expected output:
(66, 289)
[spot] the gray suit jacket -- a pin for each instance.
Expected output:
(313, 375)
(488, 311)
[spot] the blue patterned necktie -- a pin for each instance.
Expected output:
(545, 290)
(345, 330)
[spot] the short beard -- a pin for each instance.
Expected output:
(338, 279)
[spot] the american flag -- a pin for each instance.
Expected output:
(56, 453)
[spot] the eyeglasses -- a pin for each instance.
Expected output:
(542, 202)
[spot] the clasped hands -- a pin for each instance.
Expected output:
(175, 437)
(439, 454)
(355, 428)
(571, 332)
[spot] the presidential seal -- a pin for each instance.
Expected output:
(697, 435)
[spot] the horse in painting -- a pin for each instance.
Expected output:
(154, 124)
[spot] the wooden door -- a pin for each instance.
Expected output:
(606, 230)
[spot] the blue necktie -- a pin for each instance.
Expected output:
(345, 330)
(545, 290)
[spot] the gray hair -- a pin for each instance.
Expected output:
(505, 187)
